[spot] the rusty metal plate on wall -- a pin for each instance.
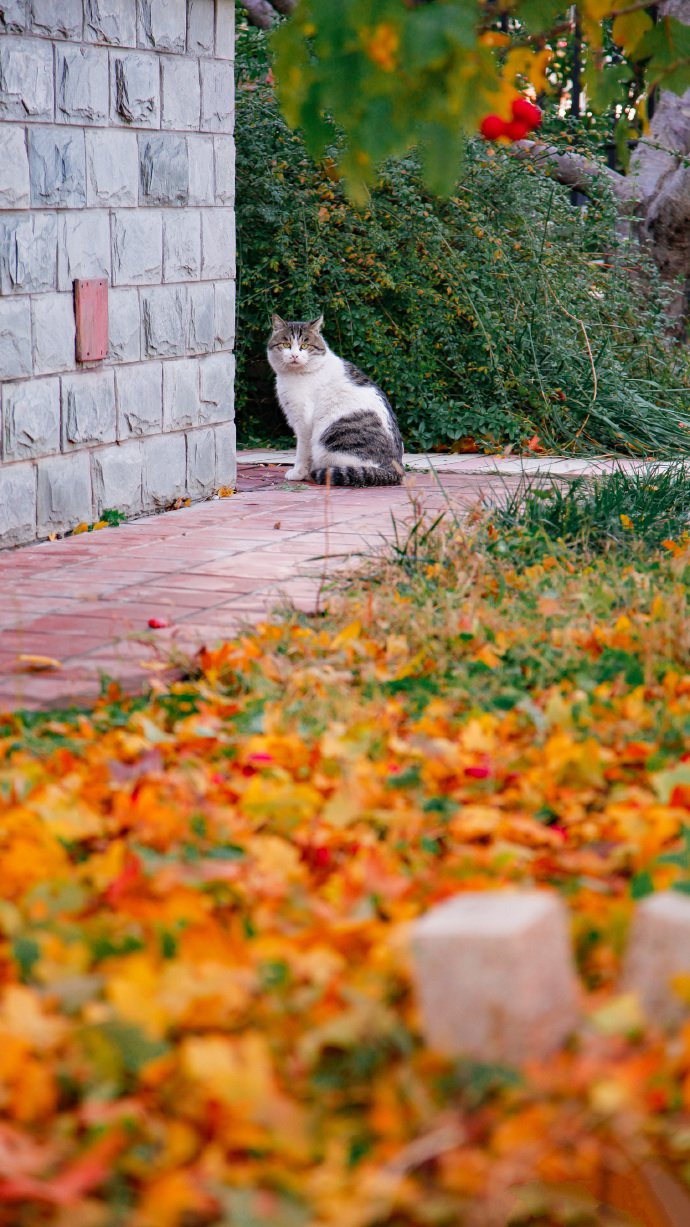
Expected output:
(91, 311)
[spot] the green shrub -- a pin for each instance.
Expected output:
(482, 316)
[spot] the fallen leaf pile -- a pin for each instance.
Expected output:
(207, 1014)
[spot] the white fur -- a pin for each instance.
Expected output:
(314, 391)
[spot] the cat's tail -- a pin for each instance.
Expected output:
(359, 475)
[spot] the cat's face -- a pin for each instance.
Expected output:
(295, 345)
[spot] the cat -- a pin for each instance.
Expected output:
(347, 433)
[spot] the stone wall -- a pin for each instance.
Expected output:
(117, 162)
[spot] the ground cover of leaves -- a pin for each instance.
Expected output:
(207, 1015)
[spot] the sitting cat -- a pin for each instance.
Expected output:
(346, 431)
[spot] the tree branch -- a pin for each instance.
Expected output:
(261, 13)
(571, 169)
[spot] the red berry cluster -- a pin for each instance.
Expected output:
(526, 117)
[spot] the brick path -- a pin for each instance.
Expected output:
(207, 570)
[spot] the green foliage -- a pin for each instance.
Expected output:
(485, 315)
(617, 510)
(395, 76)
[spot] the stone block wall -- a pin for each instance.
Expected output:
(116, 162)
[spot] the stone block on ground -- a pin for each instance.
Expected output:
(165, 470)
(495, 976)
(658, 950)
(181, 406)
(64, 492)
(226, 455)
(117, 478)
(17, 503)
(201, 463)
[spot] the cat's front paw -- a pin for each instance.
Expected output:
(297, 474)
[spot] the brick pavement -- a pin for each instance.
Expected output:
(207, 570)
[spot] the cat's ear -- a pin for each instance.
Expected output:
(277, 323)
(316, 325)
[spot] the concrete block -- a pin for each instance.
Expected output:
(26, 79)
(224, 314)
(15, 338)
(217, 96)
(659, 950)
(136, 89)
(112, 168)
(57, 167)
(225, 30)
(181, 405)
(13, 16)
(139, 399)
(14, 168)
(88, 408)
(83, 246)
(164, 316)
(181, 245)
(165, 470)
(217, 243)
(111, 21)
(58, 18)
(217, 388)
(31, 418)
(17, 503)
(117, 475)
(200, 27)
(28, 252)
(200, 319)
(163, 170)
(226, 455)
(83, 85)
(54, 333)
(137, 247)
(201, 174)
(64, 493)
(124, 323)
(201, 463)
(495, 977)
(181, 93)
(224, 147)
(163, 24)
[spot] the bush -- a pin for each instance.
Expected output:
(484, 316)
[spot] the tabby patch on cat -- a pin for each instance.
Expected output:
(346, 431)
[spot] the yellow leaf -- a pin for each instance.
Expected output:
(347, 634)
(37, 664)
(622, 1016)
(81, 528)
(596, 10)
(630, 28)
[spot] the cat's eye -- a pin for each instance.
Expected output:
(304, 345)
(286, 344)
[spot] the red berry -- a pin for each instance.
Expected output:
(517, 129)
(526, 112)
(492, 126)
(157, 624)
